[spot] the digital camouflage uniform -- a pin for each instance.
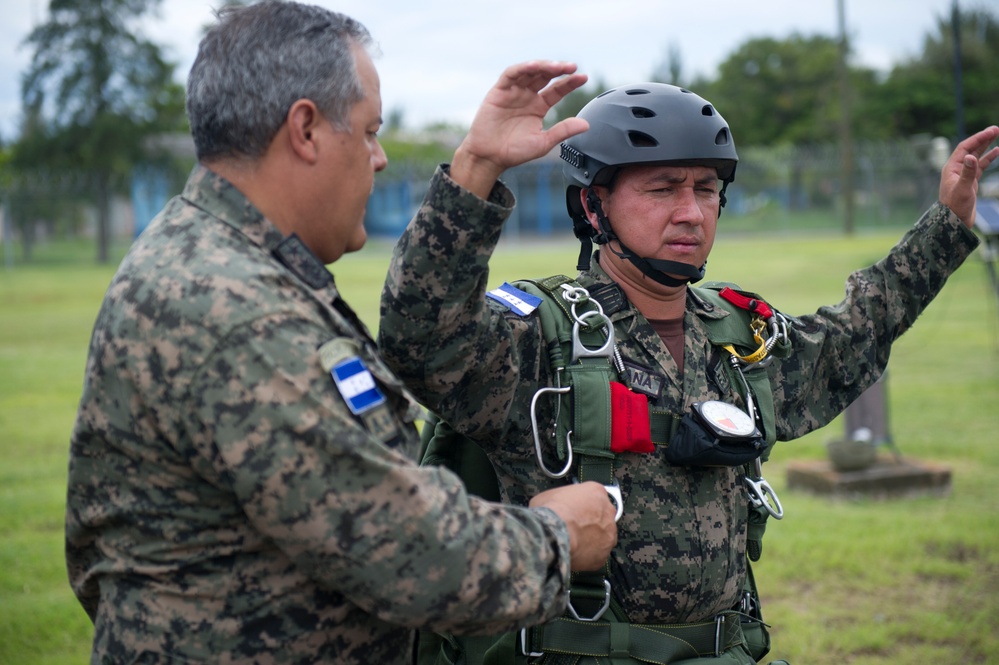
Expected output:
(478, 365)
(225, 505)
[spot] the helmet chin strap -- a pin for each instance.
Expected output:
(661, 270)
(658, 270)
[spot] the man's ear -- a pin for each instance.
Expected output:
(591, 216)
(303, 120)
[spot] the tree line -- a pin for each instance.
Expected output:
(778, 91)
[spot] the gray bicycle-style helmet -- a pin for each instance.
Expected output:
(645, 123)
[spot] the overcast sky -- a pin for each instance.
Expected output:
(439, 57)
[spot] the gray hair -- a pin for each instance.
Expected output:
(259, 60)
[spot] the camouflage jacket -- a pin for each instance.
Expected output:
(680, 555)
(225, 504)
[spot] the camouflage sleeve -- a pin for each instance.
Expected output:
(404, 543)
(458, 354)
(841, 350)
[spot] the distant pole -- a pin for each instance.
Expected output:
(845, 123)
(955, 24)
(5, 235)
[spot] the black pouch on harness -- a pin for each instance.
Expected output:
(715, 434)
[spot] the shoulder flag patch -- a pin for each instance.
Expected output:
(357, 386)
(521, 302)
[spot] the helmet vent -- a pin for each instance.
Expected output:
(636, 91)
(721, 138)
(707, 110)
(642, 140)
(642, 112)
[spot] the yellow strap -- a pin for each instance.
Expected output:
(757, 325)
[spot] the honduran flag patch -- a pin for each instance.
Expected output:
(357, 386)
(521, 302)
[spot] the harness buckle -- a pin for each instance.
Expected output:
(746, 605)
(579, 296)
(523, 646)
(579, 350)
(600, 612)
(719, 634)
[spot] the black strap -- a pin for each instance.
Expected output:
(650, 643)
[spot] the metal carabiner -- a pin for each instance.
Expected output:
(537, 436)
(777, 327)
(762, 494)
(614, 491)
(579, 350)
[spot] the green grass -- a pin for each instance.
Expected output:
(901, 582)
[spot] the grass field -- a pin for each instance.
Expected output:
(901, 582)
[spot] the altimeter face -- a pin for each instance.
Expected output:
(726, 420)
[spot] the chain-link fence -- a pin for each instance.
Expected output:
(776, 190)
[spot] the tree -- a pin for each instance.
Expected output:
(92, 94)
(670, 68)
(776, 92)
(918, 95)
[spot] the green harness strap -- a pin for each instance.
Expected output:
(734, 330)
(589, 417)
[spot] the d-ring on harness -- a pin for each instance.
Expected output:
(762, 494)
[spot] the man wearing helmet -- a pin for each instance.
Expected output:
(646, 167)
(673, 142)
